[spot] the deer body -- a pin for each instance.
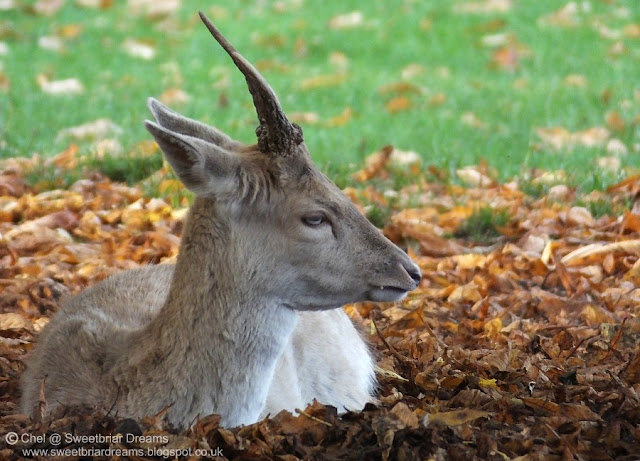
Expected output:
(94, 330)
(246, 323)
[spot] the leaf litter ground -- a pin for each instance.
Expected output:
(524, 346)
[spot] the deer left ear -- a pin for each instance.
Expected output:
(204, 168)
(173, 121)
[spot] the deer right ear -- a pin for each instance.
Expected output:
(204, 168)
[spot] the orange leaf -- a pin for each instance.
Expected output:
(398, 104)
(342, 119)
(615, 121)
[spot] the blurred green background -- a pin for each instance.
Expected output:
(457, 82)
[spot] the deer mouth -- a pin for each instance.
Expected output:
(386, 293)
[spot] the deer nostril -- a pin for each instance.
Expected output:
(414, 273)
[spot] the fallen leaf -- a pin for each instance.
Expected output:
(542, 405)
(594, 315)
(472, 120)
(615, 121)
(103, 4)
(576, 80)
(47, 7)
(374, 164)
(617, 148)
(347, 21)
(398, 104)
(506, 58)
(565, 17)
(495, 40)
(339, 60)
(405, 415)
(322, 81)
(51, 43)
(611, 164)
(70, 31)
(341, 119)
(580, 216)
(67, 158)
(139, 49)
(309, 118)
(64, 87)
(632, 371)
(484, 6)
(599, 250)
(455, 417)
(13, 321)
(411, 71)
(399, 88)
(97, 129)
(437, 99)
(174, 96)
(153, 9)
(631, 31)
(559, 138)
(473, 177)
(484, 382)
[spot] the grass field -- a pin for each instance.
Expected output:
(457, 82)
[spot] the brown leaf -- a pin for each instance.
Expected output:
(455, 417)
(398, 104)
(505, 58)
(632, 371)
(544, 406)
(103, 4)
(11, 184)
(70, 31)
(342, 119)
(615, 122)
(631, 31)
(13, 321)
(323, 81)
(595, 315)
(400, 88)
(405, 415)
(174, 96)
(576, 80)
(67, 158)
(5, 84)
(437, 99)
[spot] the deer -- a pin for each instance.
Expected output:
(248, 321)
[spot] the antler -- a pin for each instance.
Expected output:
(276, 134)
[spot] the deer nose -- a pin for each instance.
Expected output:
(414, 272)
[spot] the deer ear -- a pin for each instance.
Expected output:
(173, 121)
(204, 168)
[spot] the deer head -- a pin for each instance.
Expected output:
(289, 230)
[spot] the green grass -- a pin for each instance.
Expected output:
(392, 37)
(483, 225)
(129, 169)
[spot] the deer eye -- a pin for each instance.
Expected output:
(314, 220)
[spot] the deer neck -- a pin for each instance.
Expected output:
(230, 334)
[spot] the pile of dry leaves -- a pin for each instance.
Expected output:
(524, 347)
